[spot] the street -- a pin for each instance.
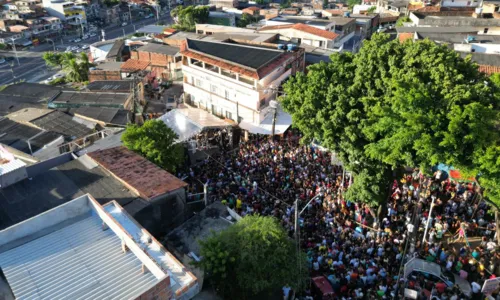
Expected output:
(32, 68)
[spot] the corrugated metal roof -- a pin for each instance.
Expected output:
(11, 166)
(79, 261)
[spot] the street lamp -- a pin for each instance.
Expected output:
(15, 51)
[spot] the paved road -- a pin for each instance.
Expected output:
(32, 68)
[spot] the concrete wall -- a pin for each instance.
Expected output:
(46, 165)
(459, 3)
(161, 290)
(479, 48)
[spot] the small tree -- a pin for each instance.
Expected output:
(253, 257)
(187, 17)
(155, 141)
(245, 20)
(52, 59)
(402, 20)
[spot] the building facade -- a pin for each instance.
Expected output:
(236, 81)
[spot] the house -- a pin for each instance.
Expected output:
(457, 19)
(165, 193)
(110, 14)
(366, 25)
(252, 10)
(314, 22)
(163, 60)
(237, 81)
(223, 3)
(111, 50)
(393, 6)
(304, 35)
(107, 71)
(76, 99)
(327, 13)
(91, 251)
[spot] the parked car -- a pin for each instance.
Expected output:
(2, 60)
(77, 40)
(85, 47)
(147, 17)
(85, 37)
(124, 24)
(92, 34)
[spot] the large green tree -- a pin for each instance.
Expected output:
(396, 104)
(187, 17)
(253, 258)
(155, 141)
(76, 68)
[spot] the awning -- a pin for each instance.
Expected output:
(188, 122)
(283, 121)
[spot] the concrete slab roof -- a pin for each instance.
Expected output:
(136, 172)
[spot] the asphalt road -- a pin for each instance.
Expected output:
(31, 66)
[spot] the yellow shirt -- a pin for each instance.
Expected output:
(238, 203)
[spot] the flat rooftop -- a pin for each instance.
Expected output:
(52, 187)
(74, 251)
(146, 178)
(159, 48)
(186, 238)
(26, 95)
(17, 135)
(340, 20)
(77, 99)
(251, 57)
(109, 66)
(109, 86)
(110, 116)
(308, 21)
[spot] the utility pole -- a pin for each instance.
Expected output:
(15, 50)
(428, 219)
(123, 32)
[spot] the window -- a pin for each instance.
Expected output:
(213, 88)
(486, 30)
(228, 74)
(178, 59)
(226, 94)
(321, 43)
(199, 83)
(196, 63)
(229, 115)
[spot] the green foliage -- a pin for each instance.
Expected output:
(402, 20)
(351, 3)
(245, 20)
(3, 87)
(52, 59)
(372, 9)
(286, 4)
(155, 141)
(3, 46)
(261, 2)
(252, 257)
(187, 17)
(58, 81)
(325, 3)
(399, 104)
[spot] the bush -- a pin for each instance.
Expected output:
(58, 81)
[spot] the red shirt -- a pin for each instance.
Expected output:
(440, 287)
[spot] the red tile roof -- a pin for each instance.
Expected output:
(304, 28)
(405, 36)
(134, 65)
(169, 30)
(489, 69)
(136, 172)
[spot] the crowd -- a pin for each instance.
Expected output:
(344, 241)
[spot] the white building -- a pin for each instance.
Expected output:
(66, 11)
(236, 81)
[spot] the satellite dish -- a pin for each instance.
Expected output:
(273, 104)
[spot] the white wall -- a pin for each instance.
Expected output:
(459, 3)
(479, 48)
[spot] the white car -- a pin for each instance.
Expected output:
(75, 48)
(59, 75)
(93, 34)
(77, 40)
(124, 24)
(85, 47)
(2, 60)
(85, 37)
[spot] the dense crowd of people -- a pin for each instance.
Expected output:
(360, 253)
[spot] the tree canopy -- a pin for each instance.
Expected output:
(252, 257)
(394, 105)
(245, 20)
(155, 141)
(187, 17)
(76, 68)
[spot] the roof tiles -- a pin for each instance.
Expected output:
(134, 65)
(304, 28)
(489, 69)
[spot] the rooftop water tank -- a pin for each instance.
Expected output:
(281, 47)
